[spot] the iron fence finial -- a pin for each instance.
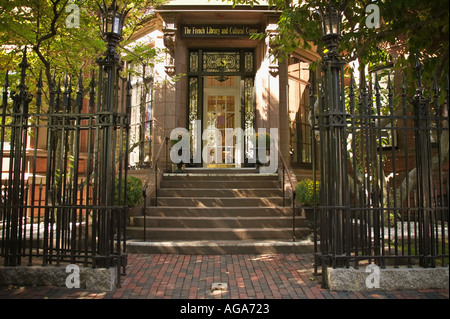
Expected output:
(80, 89)
(24, 65)
(418, 69)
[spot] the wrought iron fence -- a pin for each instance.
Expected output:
(63, 170)
(384, 170)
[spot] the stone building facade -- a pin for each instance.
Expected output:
(211, 73)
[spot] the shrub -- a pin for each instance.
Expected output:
(305, 192)
(134, 191)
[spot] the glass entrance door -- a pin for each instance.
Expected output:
(217, 78)
(221, 146)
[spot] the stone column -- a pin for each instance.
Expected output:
(267, 82)
(165, 97)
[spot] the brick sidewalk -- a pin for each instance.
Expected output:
(278, 276)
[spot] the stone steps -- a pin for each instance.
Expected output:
(183, 233)
(219, 201)
(208, 192)
(223, 212)
(222, 184)
(219, 247)
(215, 222)
(211, 211)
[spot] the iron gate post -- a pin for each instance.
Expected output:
(332, 120)
(110, 121)
(333, 141)
(107, 110)
(424, 173)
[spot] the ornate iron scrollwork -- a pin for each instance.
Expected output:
(221, 62)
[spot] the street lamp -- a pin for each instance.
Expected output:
(331, 27)
(112, 22)
(112, 120)
(332, 121)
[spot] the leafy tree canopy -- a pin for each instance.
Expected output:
(54, 44)
(411, 27)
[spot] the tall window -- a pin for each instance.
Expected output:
(141, 116)
(299, 108)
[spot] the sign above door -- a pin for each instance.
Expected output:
(218, 30)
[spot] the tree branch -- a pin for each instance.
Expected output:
(53, 32)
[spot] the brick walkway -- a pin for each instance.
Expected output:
(279, 276)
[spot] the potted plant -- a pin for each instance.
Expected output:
(307, 198)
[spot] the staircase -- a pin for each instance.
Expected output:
(203, 211)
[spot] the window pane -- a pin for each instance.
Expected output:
(299, 108)
(193, 111)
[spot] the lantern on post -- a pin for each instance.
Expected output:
(112, 23)
(331, 27)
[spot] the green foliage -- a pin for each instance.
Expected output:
(441, 248)
(134, 191)
(415, 26)
(304, 192)
(53, 47)
(142, 54)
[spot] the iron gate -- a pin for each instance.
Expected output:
(384, 179)
(63, 164)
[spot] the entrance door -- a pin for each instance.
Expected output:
(221, 116)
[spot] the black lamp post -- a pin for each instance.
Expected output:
(111, 118)
(333, 145)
